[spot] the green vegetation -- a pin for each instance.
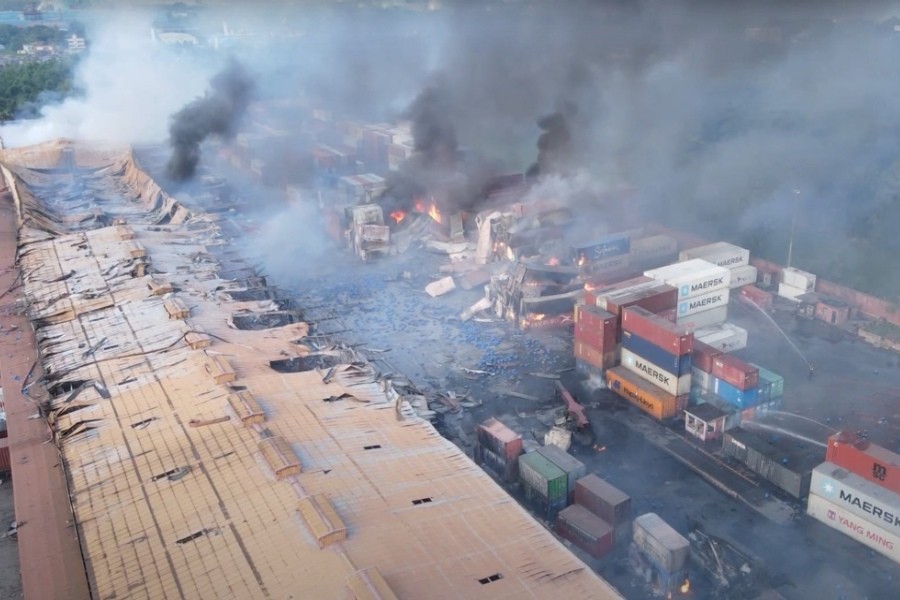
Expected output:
(13, 37)
(22, 84)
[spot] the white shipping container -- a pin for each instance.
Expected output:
(706, 302)
(726, 337)
(652, 373)
(866, 500)
(693, 277)
(790, 292)
(602, 299)
(654, 245)
(722, 254)
(842, 520)
(706, 318)
(700, 379)
(741, 276)
(661, 542)
(798, 279)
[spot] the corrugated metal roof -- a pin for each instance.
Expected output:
(175, 497)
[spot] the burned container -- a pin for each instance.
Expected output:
(585, 530)
(735, 371)
(657, 330)
(779, 462)
(606, 247)
(660, 543)
(702, 356)
(504, 468)
(646, 396)
(607, 502)
(675, 364)
(500, 439)
(544, 483)
(869, 461)
(573, 468)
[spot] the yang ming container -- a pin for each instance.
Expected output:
(837, 517)
(585, 530)
(693, 278)
(573, 468)
(735, 371)
(656, 375)
(607, 502)
(734, 396)
(869, 461)
(721, 254)
(676, 364)
(854, 494)
(646, 396)
(657, 330)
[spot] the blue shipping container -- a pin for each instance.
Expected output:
(734, 396)
(677, 365)
(606, 247)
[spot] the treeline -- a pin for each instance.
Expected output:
(13, 37)
(22, 84)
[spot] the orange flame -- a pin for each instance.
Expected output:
(581, 260)
(538, 317)
(589, 287)
(419, 206)
(553, 261)
(686, 586)
(398, 216)
(434, 213)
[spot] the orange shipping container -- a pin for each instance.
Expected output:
(644, 395)
(595, 358)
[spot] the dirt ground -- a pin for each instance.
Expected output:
(10, 582)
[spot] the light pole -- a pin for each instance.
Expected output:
(793, 225)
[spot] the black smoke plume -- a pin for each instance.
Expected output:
(554, 145)
(215, 113)
(434, 135)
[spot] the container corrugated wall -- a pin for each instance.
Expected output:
(542, 476)
(573, 468)
(660, 542)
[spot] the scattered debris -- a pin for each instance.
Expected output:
(558, 436)
(440, 287)
(545, 375)
(522, 396)
(481, 305)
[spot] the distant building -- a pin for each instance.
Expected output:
(174, 38)
(75, 43)
(32, 49)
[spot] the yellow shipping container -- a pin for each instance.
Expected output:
(650, 399)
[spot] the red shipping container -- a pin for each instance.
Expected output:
(753, 295)
(595, 327)
(657, 330)
(669, 315)
(5, 464)
(596, 358)
(604, 500)
(586, 530)
(656, 299)
(735, 371)
(702, 356)
(500, 439)
(859, 456)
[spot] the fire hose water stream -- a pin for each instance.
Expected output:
(783, 333)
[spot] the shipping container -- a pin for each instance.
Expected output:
(542, 477)
(595, 358)
(734, 396)
(646, 396)
(608, 246)
(607, 502)
(700, 320)
(678, 365)
(655, 245)
(771, 385)
(790, 292)
(660, 542)
(505, 469)
(500, 439)
(656, 299)
(595, 327)
(741, 276)
(726, 337)
(658, 331)
(798, 279)
(721, 254)
(837, 517)
(735, 371)
(693, 277)
(854, 494)
(5, 464)
(601, 291)
(669, 382)
(869, 461)
(662, 582)
(696, 304)
(670, 315)
(573, 468)
(585, 530)
(702, 355)
(756, 296)
(700, 379)
(779, 464)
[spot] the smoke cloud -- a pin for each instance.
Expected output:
(214, 114)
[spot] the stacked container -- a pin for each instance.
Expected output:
(774, 463)
(859, 508)
(702, 286)
(702, 357)
(771, 385)
(544, 483)
(571, 466)
(647, 397)
(617, 244)
(869, 461)
(735, 381)
(657, 351)
(639, 291)
(607, 502)
(652, 252)
(497, 449)
(586, 530)
(660, 552)
(795, 283)
(596, 331)
(726, 337)
(733, 258)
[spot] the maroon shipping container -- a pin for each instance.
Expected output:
(506, 469)
(596, 358)
(702, 356)
(604, 500)
(754, 295)
(735, 371)
(586, 530)
(657, 330)
(669, 315)
(5, 464)
(595, 327)
(655, 299)
(500, 439)
(859, 456)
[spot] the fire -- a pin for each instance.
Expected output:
(686, 586)
(553, 261)
(589, 287)
(419, 206)
(398, 216)
(538, 317)
(581, 260)
(434, 213)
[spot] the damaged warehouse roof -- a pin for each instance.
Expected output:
(203, 460)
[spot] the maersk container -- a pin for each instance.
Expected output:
(734, 396)
(703, 319)
(676, 364)
(573, 468)
(726, 337)
(605, 247)
(660, 542)
(657, 330)
(539, 475)
(656, 375)
(774, 464)
(870, 461)
(741, 276)
(697, 304)
(721, 254)
(837, 517)
(693, 278)
(798, 279)
(739, 373)
(771, 385)
(585, 530)
(851, 492)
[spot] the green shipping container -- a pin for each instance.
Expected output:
(543, 477)
(770, 381)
